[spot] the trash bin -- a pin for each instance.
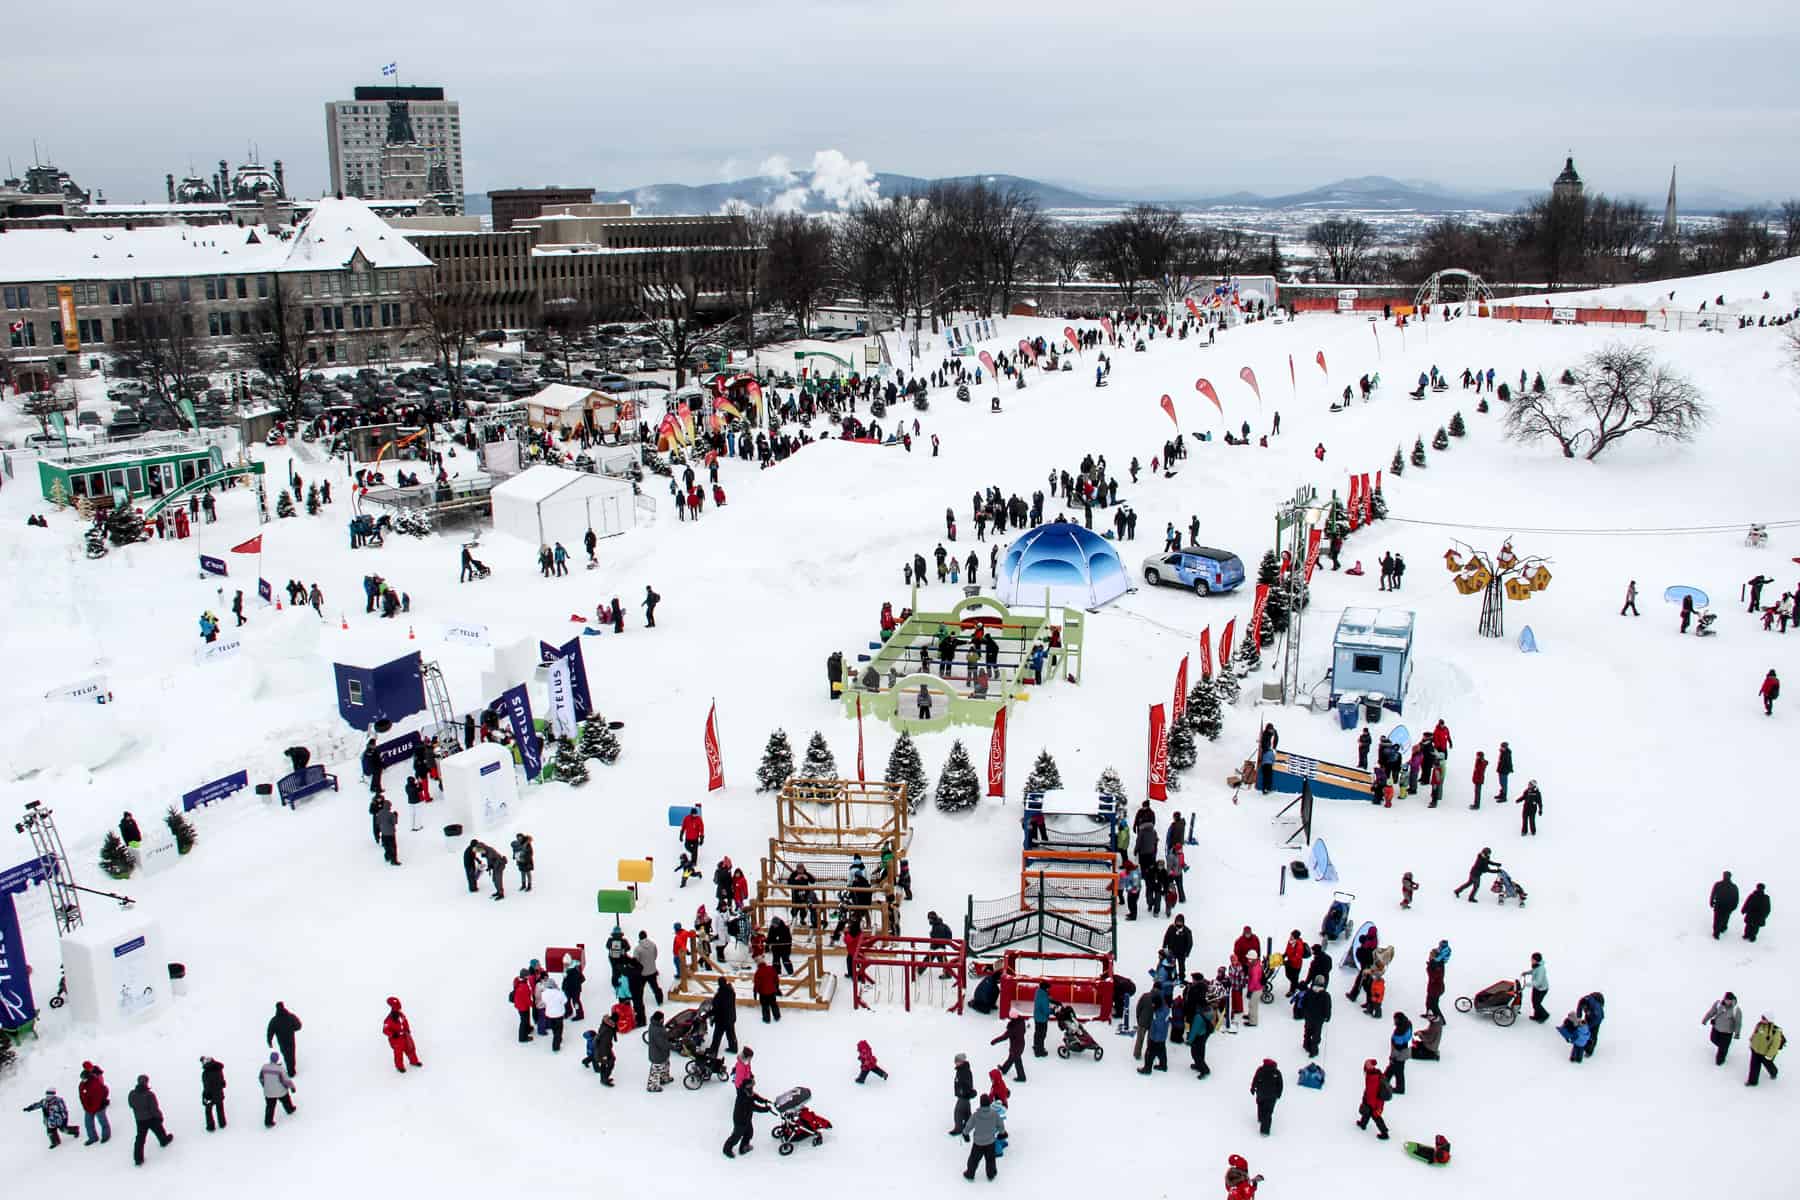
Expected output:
(1347, 712)
(452, 835)
(1372, 709)
(178, 978)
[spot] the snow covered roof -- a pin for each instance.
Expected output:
(327, 240)
(1385, 629)
(541, 482)
(563, 397)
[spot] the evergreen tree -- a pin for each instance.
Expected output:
(183, 829)
(1109, 784)
(8, 1055)
(284, 504)
(1418, 454)
(1044, 775)
(59, 495)
(1203, 715)
(905, 766)
(1249, 655)
(571, 767)
(1227, 685)
(1275, 611)
(1481, 405)
(115, 859)
(1441, 441)
(1398, 466)
(819, 762)
(1182, 751)
(1377, 506)
(599, 741)
(312, 499)
(777, 763)
(958, 788)
(1457, 428)
(123, 526)
(1337, 520)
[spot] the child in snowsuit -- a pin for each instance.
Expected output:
(56, 1117)
(865, 1060)
(1407, 888)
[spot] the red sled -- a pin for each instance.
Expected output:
(627, 1020)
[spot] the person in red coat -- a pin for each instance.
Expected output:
(522, 1002)
(1771, 688)
(398, 1031)
(1239, 1183)
(866, 1063)
(1440, 738)
(94, 1096)
(765, 986)
(1372, 1101)
(1246, 942)
(1479, 777)
(693, 833)
(740, 888)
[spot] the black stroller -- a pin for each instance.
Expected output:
(798, 1123)
(480, 569)
(1075, 1036)
(1337, 918)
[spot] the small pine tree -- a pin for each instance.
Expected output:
(1044, 775)
(1182, 751)
(8, 1056)
(905, 766)
(571, 767)
(124, 526)
(1457, 428)
(1203, 714)
(59, 495)
(1248, 656)
(284, 504)
(115, 859)
(312, 499)
(1109, 784)
(1337, 519)
(1481, 405)
(1275, 611)
(183, 829)
(1377, 506)
(1227, 685)
(957, 787)
(1398, 466)
(777, 763)
(1418, 454)
(1440, 441)
(819, 762)
(599, 741)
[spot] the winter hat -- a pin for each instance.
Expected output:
(1268, 1062)
(87, 1066)
(961, 1058)
(1238, 1160)
(49, 1091)
(393, 1002)
(143, 1079)
(274, 1057)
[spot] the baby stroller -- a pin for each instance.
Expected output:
(1337, 918)
(1500, 1001)
(1075, 1037)
(684, 1026)
(1506, 889)
(798, 1123)
(479, 568)
(702, 1067)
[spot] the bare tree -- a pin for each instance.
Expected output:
(1017, 223)
(1614, 392)
(566, 317)
(1790, 347)
(797, 263)
(678, 285)
(1345, 243)
(448, 317)
(279, 341)
(1790, 228)
(162, 347)
(1113, 257)
(43, 404)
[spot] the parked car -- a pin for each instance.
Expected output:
(1201, 568)
(491, 335)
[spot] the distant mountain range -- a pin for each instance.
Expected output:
(1368, 193)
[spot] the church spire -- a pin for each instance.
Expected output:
(1669, 227)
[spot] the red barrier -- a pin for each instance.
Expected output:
(1018, 987)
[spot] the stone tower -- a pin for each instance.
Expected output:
(1568, 185)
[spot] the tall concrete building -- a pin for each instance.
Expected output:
(397, 143)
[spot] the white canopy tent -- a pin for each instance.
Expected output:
(545, 505)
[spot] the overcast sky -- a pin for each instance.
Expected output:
(1196, 97)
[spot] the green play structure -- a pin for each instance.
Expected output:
(887, 678)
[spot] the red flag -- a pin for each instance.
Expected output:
(1320, 359)
(1206, 389)
(1254, 637)
(1025, 349)
(1312, 551)
(715, 763)
(1179, 708)
(1193, 308)
(1368, 500)
(1074, 342)
(987, 360)
(1157, 778)
(1168, 406)
(1378, 481)
(253, 546)
(1354, 507)
(1292, 382)
(1225, 643)
(1206, 653)
(1249, 377)
(861, 777)
(997, 755)
(1106, 324)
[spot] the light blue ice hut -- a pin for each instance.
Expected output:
(1371, 657)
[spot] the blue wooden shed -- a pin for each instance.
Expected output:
(1371, 656)
(368, 692)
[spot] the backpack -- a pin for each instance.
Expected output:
(1384, 1092)
(1312, 1075)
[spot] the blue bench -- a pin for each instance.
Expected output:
(305, 782)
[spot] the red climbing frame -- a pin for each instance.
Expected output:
(912, 957)
(1083, 981)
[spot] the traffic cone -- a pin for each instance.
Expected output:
(278, 604)
(409, 633)
(343, 623)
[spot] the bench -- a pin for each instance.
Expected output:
(307, 781)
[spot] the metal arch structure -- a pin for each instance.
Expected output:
(1444, 286)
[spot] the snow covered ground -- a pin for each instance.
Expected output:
(1658, 768)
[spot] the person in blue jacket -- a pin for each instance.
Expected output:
(1156, 1051)
(1593, 1011)
(1575, 1032)
(1399, 1050)
(1040, 1020)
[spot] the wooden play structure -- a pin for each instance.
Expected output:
(1069, 881)
(933, 970)
(829, 827)
(887, 677)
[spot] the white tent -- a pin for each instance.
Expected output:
(560, 404)
(546, 505)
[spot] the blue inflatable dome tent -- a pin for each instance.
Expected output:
(1078, 567)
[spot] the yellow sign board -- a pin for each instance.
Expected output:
(65, 299)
